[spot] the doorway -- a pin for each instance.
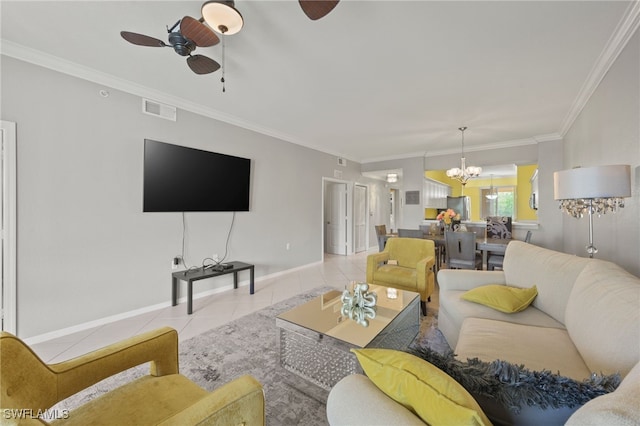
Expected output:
(335, 218)
(8, 298)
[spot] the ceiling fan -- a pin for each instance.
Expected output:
(184, 36)
(221, 15)
(316, 9)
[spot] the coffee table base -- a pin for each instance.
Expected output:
(324, 360)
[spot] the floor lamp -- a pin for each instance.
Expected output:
(592, 190)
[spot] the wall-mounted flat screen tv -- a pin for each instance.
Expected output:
(181, 179)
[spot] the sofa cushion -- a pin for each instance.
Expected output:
(501, 297)
(554, 274)
(395, 275)
(621, 407)
(511, 395)
(603, 317)
(132, 401)
(454, 310)
(537, 348)
(421, 387)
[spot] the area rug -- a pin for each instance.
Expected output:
(248, 345)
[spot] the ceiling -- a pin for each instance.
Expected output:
(373, 80)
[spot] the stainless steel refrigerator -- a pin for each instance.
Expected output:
(460, 205)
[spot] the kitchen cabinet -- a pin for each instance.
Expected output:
(435, 194)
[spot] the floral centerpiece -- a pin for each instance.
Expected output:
(447, 216)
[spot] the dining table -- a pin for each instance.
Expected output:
(484, 244)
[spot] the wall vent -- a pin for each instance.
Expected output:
(157, 109)
(342, 162)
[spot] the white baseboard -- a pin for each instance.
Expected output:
(113, 318)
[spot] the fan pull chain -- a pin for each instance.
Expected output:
(222, 79)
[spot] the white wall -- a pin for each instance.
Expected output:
(607, 131)
(85, 249)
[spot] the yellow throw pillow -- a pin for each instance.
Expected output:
(421, 387)
(501, 297)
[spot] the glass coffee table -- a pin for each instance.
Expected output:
(315, 338)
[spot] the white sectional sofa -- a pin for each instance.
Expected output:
(585, 319)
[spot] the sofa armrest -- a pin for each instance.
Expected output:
(159, 347)
(355, 400)
(240, 402)
(460, 279)
(373, 261)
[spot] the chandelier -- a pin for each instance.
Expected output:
(592, 190)
(464, 173)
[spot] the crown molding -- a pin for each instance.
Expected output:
(617, 42)
(551, 137)
(45, 60)
(475, 148)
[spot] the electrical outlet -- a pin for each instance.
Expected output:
(215, 258)
(176, 262)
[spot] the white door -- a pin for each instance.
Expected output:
(8, 224)
(360, 218)
(336, 218)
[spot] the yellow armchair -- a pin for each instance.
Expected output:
(29, 387)
(414, 269)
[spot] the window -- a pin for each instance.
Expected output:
(504, 205)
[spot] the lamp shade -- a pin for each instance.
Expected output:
(222, 16)
(593, 182)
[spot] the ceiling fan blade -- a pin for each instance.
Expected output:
(141, 39)
(316, 9)
(197, 32)
(201, 64)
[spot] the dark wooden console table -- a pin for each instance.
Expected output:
(201, 274)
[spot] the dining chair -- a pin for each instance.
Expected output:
(410, 233)
(461, 250)
(499, 227)
(381, 234)
(496, 260)
(527, 238)
(435, 235)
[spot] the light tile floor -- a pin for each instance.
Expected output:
(211, 311)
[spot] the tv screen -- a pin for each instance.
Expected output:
(181, 179)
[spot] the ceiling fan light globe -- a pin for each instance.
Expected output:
(222, 17)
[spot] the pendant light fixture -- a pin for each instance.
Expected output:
(464, 173)
(493, 192)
